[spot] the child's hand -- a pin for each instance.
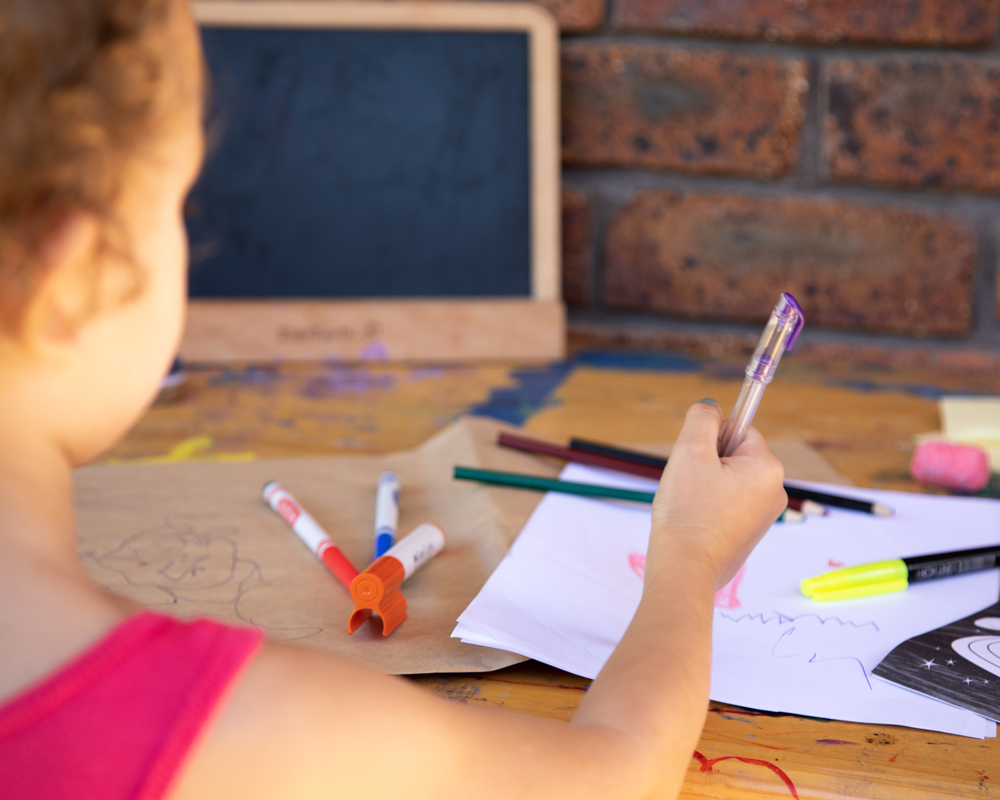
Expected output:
(722, 507)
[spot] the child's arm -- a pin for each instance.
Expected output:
(707, 517)
(305, 725)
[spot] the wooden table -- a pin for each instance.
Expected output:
(862, 422)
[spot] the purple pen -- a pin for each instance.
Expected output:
(780, 333)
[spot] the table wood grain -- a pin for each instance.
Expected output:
(862, 422)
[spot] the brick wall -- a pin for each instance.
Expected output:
(718, 152)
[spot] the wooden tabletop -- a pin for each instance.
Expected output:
(861, 421)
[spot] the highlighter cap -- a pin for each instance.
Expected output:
(880, 577)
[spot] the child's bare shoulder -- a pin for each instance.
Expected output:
(45, 625)
(300, 723)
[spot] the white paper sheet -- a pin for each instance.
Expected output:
(571, 582)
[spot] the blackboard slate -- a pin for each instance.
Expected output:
(364, 163)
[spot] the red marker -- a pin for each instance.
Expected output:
(310, 532)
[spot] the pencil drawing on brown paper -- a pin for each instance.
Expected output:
(192, 562)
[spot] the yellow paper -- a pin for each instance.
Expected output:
(973, 420)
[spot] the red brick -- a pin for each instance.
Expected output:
(589, 335)
(855, 267)
(678, 108)
(619, 335)
(576, 253)
(929, 121)
(909, 22)
(577, 15)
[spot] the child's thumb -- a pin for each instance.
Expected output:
(700, 432)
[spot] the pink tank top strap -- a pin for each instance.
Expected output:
(118, 721)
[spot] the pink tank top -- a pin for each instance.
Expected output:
(117, 721)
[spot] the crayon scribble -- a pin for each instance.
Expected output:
(798, 640)
(726, 597)
(784, 619)
(637, 561)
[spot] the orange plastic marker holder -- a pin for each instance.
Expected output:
(378, 589)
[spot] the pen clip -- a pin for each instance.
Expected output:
(787, 307)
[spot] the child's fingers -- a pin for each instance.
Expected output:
(753, 444)
(758, 452)
(700, 433)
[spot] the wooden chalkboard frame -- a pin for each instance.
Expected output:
(400, 329)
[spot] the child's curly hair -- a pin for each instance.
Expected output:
(83, 85)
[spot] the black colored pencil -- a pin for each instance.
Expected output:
(837, 501)
(631, 456)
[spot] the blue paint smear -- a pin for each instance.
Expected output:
(926, 391)
(652, 362)
(533, 387)
(529, 394)
(248, 376)
(737, 719)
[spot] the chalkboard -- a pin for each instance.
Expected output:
(401, 155)
(360, 163)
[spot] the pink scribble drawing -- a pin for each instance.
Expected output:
(726, 597)
(638, 563)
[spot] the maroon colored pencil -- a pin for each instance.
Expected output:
(577, 456)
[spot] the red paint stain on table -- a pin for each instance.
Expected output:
(893, 759)
(707, 764)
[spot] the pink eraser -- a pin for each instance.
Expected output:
(960, 467)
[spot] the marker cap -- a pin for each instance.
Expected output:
(376, 589)
(879, 577)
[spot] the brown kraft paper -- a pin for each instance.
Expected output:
(196, 538)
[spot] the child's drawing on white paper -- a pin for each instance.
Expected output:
(814, 639)
(726, 597)
(568, 589)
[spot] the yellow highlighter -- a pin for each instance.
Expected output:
(894, 575)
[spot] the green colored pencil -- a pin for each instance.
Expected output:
(518, 481)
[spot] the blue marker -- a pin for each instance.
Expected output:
(386, 512)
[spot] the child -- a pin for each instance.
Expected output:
(100, 139)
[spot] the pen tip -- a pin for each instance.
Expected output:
(883, 511)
